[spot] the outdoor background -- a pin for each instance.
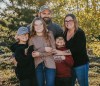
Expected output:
(16, 13)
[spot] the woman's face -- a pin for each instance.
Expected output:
(69, 22)
(38, 26)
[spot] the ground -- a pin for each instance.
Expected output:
(7, 75)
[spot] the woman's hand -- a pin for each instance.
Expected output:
(35, 54)
(48, 49)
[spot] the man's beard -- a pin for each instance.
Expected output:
(47, 20)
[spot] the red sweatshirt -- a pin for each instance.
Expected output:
(64, 68)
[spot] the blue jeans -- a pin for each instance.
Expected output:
(81, 73)
(45, 76)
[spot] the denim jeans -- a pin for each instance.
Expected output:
(81, 73)
(45, 76)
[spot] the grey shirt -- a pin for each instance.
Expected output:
(55, 28)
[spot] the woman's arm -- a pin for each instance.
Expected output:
(59, 52)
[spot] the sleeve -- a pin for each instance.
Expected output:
(13, 47)
(69, 60)
(21, 58)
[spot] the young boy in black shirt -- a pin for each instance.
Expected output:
(25, 68)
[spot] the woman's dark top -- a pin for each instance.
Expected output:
(25, 63)
(77, 46)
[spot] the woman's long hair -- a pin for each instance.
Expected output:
(45, 31)
(32, 29)
(74, 19)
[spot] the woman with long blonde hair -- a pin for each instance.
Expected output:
(43, 42)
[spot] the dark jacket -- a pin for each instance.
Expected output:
(77, 46)
(25, 63)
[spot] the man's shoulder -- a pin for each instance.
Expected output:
(55, 24)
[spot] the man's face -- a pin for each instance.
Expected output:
(46, 15)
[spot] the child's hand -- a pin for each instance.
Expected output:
(57, 59)
(58, 52)
(54, 51)
(35, 54)
(48, 49)
(26, 50)
(14, 61)
(63, 57)
(68, 51)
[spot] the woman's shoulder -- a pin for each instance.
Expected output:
(80, 31)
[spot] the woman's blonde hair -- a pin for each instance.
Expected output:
(45, 31)
(74, 19)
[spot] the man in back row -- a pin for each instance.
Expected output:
(46, 14)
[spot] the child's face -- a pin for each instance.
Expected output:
(60, 41)
(23, 37)
(38, 25)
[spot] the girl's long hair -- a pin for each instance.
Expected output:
(32, 29)
(45, 31)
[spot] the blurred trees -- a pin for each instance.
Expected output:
(22, 12)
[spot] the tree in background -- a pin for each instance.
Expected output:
(22, 12)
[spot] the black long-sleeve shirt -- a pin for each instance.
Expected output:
(77, 46)
(25, 62)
